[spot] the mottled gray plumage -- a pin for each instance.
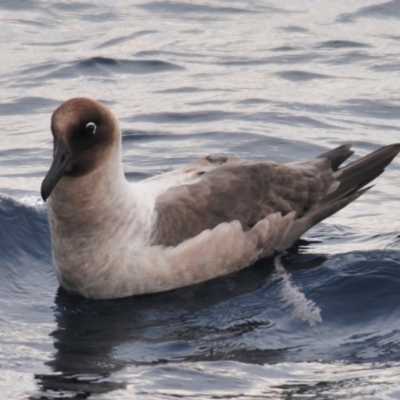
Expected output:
(248, 192)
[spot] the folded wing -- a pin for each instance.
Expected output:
(249, 192)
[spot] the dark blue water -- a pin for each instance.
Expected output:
(262, 79)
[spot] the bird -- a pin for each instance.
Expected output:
(112, 238)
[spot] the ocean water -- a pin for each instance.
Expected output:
(278, 80)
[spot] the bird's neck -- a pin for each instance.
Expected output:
(88, 199)
(96, 222)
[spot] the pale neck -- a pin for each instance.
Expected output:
(83, 200)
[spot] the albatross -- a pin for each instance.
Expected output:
(111, 238)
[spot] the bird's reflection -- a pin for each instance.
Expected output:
(91, 335)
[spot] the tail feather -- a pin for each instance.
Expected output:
(352, 180)
(338, 155)
(303, 224)
(360, 173)
(329, 209)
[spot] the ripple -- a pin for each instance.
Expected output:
(185, 117)
(279, 381)
(27, 105)
(377, 108)
(301, 75)
(189, 89)
(341, 44)
(177, 7)
(22, 5)
(281, 60)
(122, 39)
(96, 67)
(103, 66)
(389, 9)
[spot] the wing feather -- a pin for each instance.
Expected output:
(246, 192)
(233, 189)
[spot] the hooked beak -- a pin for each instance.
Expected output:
(61, 160)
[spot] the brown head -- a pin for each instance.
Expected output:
(84, 133)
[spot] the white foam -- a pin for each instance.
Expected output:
(31, 201)
(301, 307)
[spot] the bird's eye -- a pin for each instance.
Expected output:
(90, 128)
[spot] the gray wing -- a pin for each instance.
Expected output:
(248, 192)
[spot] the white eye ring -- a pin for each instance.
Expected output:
(91, 127)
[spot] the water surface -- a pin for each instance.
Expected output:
(262, 79)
